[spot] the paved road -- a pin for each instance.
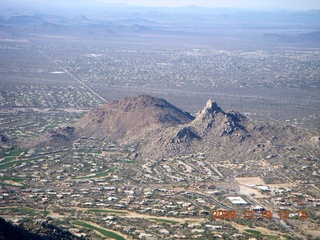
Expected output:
(234, 183)
(70, 74)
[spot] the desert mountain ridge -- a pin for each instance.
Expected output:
(163, 130)
(167, 131)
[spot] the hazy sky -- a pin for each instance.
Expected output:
(292, 4)
(251, 4)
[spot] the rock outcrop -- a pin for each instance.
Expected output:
(60, 136)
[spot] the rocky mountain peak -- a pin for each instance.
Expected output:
(208, 112)
(212, 107)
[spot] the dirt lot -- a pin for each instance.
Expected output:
(250, 181)
(251, 192)
(248, 190)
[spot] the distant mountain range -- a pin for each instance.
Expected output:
(53, 25)
(189, 20)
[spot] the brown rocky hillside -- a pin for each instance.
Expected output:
(131, 117)
(60, 136)
(163, 130)
(230, 135)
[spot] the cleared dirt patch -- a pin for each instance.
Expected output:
(251, 192)
(250, 181)
(246, 190)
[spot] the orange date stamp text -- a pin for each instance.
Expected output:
(263, 214)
